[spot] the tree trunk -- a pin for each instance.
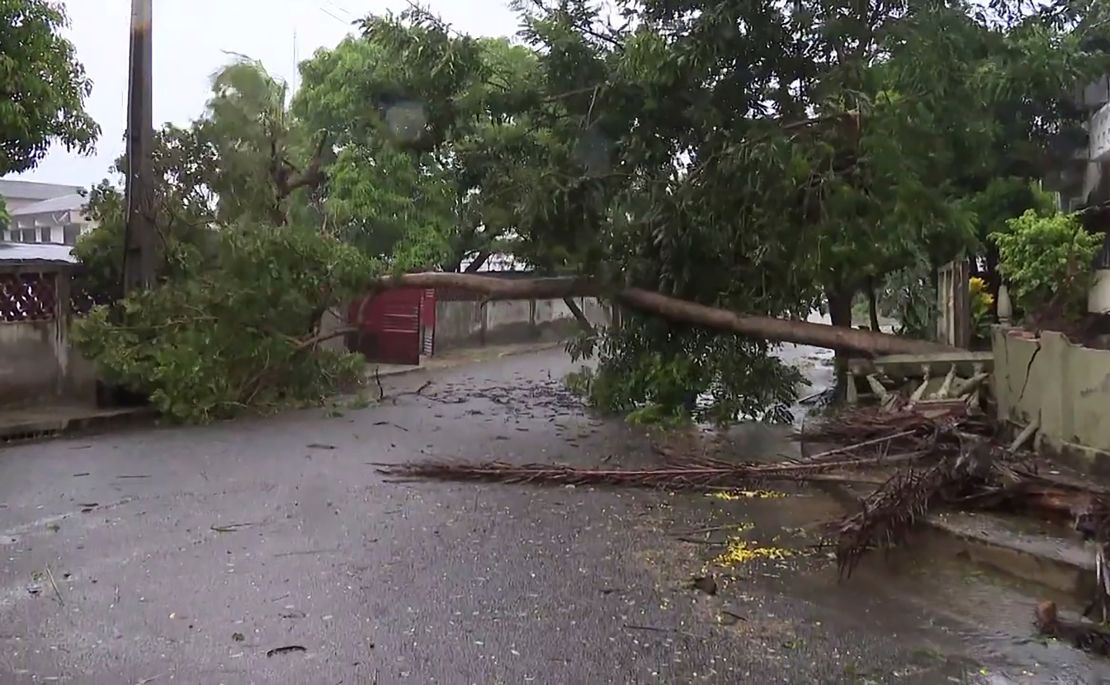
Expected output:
(873, 305)
(840, 311)
(674, 309)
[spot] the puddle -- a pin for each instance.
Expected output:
(974, 624)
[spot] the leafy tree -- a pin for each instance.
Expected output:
(184, 165)
(769, 153)
(428, 129)
(246, 273)
(42, 86)
(269, 166)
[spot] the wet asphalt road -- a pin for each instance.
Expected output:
(189, 554)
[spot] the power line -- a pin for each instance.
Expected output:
(341, 21)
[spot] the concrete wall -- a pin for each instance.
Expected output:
(1065, 386)
(38, 363)
(469, 324)
(29, 366)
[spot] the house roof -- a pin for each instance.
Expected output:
(30, 190)
(63, 203)
(15, 254)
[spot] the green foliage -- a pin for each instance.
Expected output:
(184, 164)
(637, 375)
(431, 129)
(1048, 262)
(237, 332)
(42, 86)
(815, 149)
(1004, 199)
(245, 273)
(749, 156)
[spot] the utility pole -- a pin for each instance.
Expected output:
(139, 257)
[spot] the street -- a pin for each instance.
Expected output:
(270, 550)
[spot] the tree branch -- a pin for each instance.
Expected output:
(672, 309)
(578, 315)
(478, 262)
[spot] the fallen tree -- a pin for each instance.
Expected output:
(671, 308)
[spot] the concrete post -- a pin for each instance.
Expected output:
(61, 329)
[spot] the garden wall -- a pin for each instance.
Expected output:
(469, 323)
(1065, 386)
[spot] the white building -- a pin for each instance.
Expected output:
(43, 212)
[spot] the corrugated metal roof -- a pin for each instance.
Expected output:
(30, 190)
(65, 203)
(35, 253)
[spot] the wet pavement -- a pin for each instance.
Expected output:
(271, 551)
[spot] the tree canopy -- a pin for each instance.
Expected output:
(753, 157)
(42, 86)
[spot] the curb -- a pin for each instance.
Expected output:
(1062, 564)
(39, 429)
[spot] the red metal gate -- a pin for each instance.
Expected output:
(389, 326)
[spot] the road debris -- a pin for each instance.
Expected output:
(1090, 637)
(53, 584)
(706, 584)
(928, 447)
(287, 649)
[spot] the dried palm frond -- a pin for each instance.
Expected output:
(690, 474)
(890, 512)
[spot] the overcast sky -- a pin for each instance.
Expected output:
(190, 37)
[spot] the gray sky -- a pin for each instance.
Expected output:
(190, 37)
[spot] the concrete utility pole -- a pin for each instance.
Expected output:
(139, 257)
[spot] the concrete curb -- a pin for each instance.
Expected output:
(38, 429)
(1062, 564)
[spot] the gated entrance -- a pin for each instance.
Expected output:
(392, 329)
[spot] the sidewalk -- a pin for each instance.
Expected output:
(459, 357)
(29, 423)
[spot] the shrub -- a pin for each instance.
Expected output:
(1047, 262)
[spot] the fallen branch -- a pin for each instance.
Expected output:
(890, 512)
(579, 316)
(670, 308)
(305, 343)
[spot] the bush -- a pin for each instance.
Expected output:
(236, 332)
(1047, 262)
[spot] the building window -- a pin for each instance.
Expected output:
(71, 233)
(44, 234)
(27, 235)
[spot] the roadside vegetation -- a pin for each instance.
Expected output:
(817, 154)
